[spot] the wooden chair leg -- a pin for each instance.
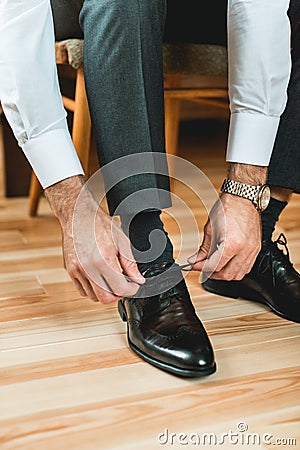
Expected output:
(172, 121)
(34, 195)
(2, 161)
(81, 131)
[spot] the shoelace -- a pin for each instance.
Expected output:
(281, 240)
(168, 283)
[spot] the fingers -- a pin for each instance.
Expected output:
(96, 267)
(127, 262)
(104, 293)
(93, 291)
(233, 269)
(228, 262)
(217, 260)
(198, 259)
(116, 263)
(96, 288)
(231, 272)
(79, 288)
(198, 264)
(231, 240)
(115, 279)
(83, 285)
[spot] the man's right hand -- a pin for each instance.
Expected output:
(97, 253)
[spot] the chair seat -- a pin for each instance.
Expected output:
(70, 51)
(195, 59)
(184, 59)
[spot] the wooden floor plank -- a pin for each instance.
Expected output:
(114, 421)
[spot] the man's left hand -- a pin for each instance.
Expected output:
(232, 239)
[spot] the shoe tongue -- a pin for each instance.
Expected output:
(160, 278)
(271, 249)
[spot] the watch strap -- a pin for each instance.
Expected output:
(241, 189)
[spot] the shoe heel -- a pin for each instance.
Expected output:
(232, 289)
(122, 311)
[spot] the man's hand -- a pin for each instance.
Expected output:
(97, 253)
(232, 234)
(232, 239)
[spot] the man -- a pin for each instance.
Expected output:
(123, 67)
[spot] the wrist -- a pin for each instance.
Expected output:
(63, 195)
(247, 173)
(234, 201)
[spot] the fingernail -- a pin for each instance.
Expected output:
(139, 280)
(192, 259)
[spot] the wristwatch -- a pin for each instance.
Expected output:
(259, 195)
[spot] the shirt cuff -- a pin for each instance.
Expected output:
(251, 138)
(53, 157)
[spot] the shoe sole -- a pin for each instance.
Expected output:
(240, 291)
(187, 373)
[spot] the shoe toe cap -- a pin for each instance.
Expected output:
(186, 350)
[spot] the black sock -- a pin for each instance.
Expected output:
(270, 216)
(139, 229)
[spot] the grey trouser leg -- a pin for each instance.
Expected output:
(284, 170)
(124, 82)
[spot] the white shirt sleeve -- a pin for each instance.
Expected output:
(259, 70)
(29, 89)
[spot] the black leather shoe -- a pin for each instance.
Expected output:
(163, 329)
(272, 281)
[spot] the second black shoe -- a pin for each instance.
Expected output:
(163, 329)
(272, 281)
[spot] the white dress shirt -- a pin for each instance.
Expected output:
(29, 89)
(259, 69)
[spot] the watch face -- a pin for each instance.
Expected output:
(264, 198)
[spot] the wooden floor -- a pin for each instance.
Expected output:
(68, 380)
